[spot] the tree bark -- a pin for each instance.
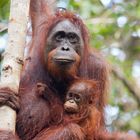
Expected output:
(13, 58)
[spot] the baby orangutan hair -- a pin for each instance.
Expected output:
(81, 104)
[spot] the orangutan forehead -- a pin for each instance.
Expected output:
(66, 25)
(81, 86)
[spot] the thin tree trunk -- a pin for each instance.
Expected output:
(13, 58)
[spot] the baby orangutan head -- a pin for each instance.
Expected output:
(80, 95)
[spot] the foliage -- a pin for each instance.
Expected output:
(4, 9)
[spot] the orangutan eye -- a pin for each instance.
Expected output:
(77, 98)
(59, 36)
(69, 95)
(73, 38)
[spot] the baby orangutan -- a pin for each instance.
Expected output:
(81, 117)
(81, 106)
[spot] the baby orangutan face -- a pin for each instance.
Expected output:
(79, 96)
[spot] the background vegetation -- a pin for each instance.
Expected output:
(114, 27)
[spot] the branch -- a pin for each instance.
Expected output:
(101, 20)
(3, 27)
(129, 86)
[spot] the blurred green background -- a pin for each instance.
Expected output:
(114, 26)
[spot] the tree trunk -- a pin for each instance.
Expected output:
(13, 58)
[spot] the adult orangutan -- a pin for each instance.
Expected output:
(59, 52)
